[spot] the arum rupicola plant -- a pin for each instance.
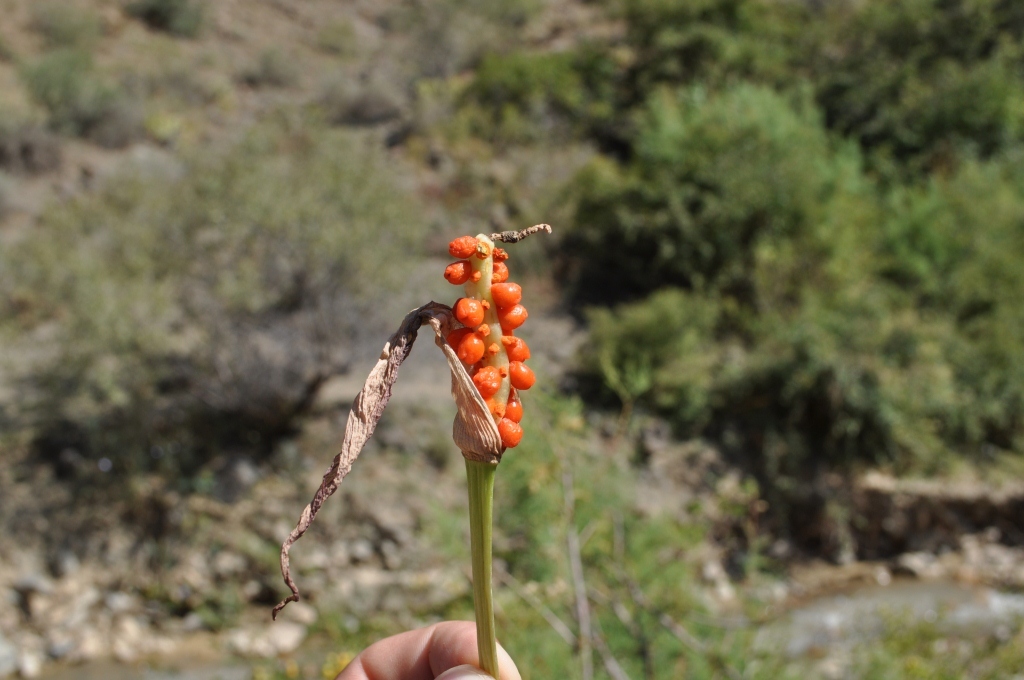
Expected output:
(486, 360)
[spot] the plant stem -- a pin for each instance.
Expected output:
(481, 510)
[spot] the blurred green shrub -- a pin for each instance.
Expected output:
(337, 37)
(80, 101)
(64, 25)
(522, 97)
(273, 68)
(896, 340)
(595, 89)
(447, 36)
(6, 53)
(27, 147)
(714, 177)
(659, 352)
(713, 42)
(954, 247)
(924, 80)
(343, 101)
(920, 82)
(178, 17)
(200, 307)
(7, 190)
(802, 316)
(801, 230)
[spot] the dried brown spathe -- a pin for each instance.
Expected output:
(475, 432)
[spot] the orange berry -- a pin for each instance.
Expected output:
(500, 274)
(516, 348)
(511, 433)
(496, 407)
(511, 318)
(506, 294)
(488, 381)
(463, 247)
(456, 336)
(514, 408)
(458, 273)
(470, 312)
(521, 376)
(470, 349)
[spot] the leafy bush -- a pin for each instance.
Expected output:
(953, 247)
(81, 102)
(801, 316)
(525, 97)
(919, 82)
(713, 42)
(895, 340)
(595, 89)
(658, 352)
(923, 80)
(178, 17)
(714, 178)
(64, 25)
(200, 308)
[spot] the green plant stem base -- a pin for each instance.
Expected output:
(481, 510)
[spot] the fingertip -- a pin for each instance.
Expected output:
(465, 672)
(506, 666)
(453, 645)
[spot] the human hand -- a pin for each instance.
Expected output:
(444, 651)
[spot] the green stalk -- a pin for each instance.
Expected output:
(481, 510)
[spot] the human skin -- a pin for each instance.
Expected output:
(443, 651)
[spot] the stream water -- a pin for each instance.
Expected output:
(839, 621)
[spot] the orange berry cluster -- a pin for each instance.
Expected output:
(490, 312)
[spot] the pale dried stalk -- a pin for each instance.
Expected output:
(559, 626)
(517, 236)
(579, 584)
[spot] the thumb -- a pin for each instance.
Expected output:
(466, 672)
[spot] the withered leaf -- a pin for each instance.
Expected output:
(474, 432)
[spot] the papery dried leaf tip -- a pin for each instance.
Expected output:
(491, 306)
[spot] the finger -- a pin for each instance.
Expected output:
(464, 673)
(454, 644)
(424, 654)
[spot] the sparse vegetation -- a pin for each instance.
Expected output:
(80, 101)
(6, 194)
(182, 18)
(66, 26)
(337, 37)
(274, 68)
(27, 147)
(234, 290)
